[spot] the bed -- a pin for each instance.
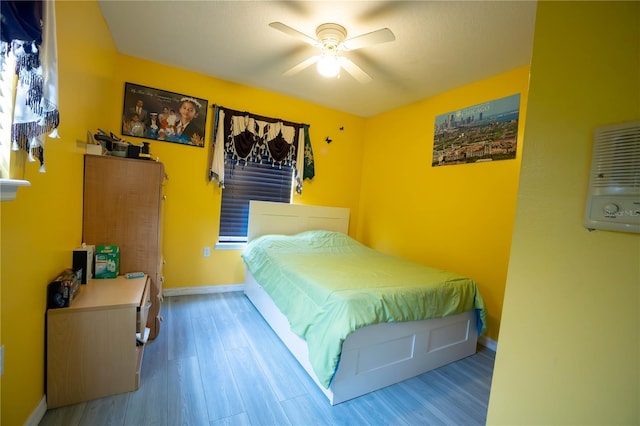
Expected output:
(383, 339)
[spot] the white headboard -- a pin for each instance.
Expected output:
(281, 218)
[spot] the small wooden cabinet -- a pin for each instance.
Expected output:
(92, 346)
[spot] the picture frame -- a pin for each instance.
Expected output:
(477, 134)
(161, 115)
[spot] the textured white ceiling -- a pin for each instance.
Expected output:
(439, 46)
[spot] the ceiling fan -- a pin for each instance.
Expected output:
(331, 39)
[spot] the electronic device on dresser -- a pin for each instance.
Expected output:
(63, 288)
(84, 258)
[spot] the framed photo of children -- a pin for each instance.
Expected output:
(163, 116)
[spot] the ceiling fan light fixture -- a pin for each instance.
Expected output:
(332, 39)
(329, 65)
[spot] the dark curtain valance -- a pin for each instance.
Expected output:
(242, 137)
(21, 20)
(255, 137)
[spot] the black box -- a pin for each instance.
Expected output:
(63, 288)
(133, 151)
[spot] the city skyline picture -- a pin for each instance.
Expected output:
(479, 133)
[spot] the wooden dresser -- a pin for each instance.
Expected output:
(92, 348)
(123, 204)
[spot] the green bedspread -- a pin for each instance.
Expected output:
(329, 285)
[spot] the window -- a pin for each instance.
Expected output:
(250, 181)
(255, 158)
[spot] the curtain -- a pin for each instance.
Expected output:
(245, 137)
(309, 164)
(29, 38)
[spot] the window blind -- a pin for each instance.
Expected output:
(245, 182)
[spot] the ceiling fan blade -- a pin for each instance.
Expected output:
(294, 33)
(302, 65)
(382, 35)
(355, 71)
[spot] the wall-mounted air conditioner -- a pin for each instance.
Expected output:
(613, 201)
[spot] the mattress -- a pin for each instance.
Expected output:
(329, 285)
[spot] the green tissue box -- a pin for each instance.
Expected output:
(107, 262)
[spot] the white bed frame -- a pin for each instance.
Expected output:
(372, 357)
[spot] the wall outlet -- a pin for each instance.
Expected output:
(206, 252)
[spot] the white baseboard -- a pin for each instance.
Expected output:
(207, 289)
(488, 343)
(38, 413)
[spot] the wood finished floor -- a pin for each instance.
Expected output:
(217, 362)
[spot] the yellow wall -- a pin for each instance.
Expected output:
(1, 376)
(456, 217)
(570, 338)
(45, 222)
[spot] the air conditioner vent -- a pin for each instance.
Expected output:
(616, 158)
(613, 201)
